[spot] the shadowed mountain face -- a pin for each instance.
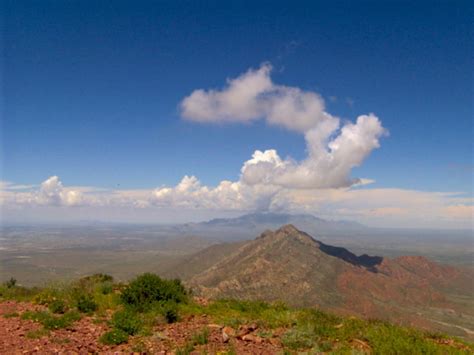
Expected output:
(291, 266)
(344, 254)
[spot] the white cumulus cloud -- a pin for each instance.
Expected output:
(52, 192)
(379, 206)
(333, 150)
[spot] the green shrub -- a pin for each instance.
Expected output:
(10, 283)
(148, 289)
(106, 287)
(106, 302)
(90, 284)
(114, 337)
(57, 306)
(86, 304)
(127, 321)
(170, 312)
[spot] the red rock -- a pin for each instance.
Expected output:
(252, 338)
(227, 333)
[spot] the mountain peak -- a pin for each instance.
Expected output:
(288, 229)
(288, 232)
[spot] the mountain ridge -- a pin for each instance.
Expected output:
(279, 219)
(291, 266)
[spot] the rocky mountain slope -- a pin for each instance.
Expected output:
(291, 266)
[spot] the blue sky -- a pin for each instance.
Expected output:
(92, 90)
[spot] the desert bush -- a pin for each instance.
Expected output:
(91, 284)
(148, 289)
(105, 288)
(88, 283)
(10, 283)
(114, 337)
(106, 302)
(86, 304)
(57, 306)
(127, 321)
(170, 312)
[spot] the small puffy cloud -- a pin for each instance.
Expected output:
(52, 192)
(333, 151)
(252, 96)
(262, 167)
(240, 101)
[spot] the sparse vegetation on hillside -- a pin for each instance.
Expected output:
(134, 312)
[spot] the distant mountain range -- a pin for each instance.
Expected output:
(289, 265)
(248, 225)
(257, 220)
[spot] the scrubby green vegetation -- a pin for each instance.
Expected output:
(148, 289)
(318, 331)
(200, 338)
(135, 309)
(51, 321)
(114, 337)
(127, 321)
(144, 301)
(85, 303)
(57, 306)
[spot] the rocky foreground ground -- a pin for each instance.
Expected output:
(26, 336)
(22, 336)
